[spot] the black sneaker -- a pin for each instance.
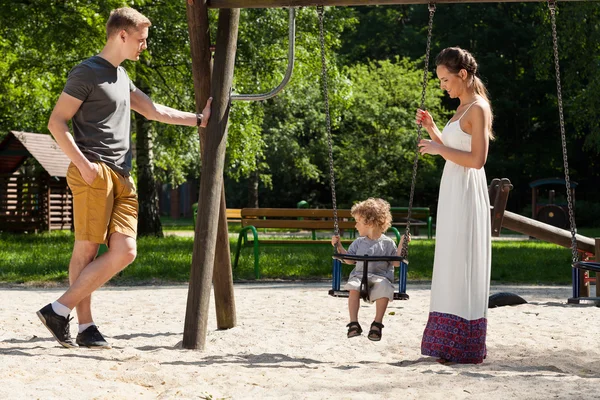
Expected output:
(92, 338)
(57, 325)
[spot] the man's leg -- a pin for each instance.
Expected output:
(84, 253)
(92, 209)
(121, 252)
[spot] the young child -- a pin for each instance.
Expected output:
(373, 218)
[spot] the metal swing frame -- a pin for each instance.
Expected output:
(579, 267)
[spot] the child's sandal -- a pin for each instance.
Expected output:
(375, 334)
(354, 329)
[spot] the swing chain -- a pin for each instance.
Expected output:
(552, 7)
(320, 13)
(404, 252)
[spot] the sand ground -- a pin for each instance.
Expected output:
(290, 343)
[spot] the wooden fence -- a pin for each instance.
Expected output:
(34, 203)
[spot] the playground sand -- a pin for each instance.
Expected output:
(290, 343)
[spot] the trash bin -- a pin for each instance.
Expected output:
(302, 204)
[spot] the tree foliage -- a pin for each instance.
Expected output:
(374, 56)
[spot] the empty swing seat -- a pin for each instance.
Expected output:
(587, 266)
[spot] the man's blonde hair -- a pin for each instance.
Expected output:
(125, 18)
(375, 212)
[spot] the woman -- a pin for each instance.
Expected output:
(457, 324)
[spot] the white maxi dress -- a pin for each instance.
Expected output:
(457, 324)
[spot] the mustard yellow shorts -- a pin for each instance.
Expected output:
(106, 206)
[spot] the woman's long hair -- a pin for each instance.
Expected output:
(455, 59)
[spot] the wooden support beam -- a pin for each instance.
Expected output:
(211, 183)
(584, 285)
(546, 232)
(498, 192)
(198, 28)
(339, 3)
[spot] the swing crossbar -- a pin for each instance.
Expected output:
(309, 3)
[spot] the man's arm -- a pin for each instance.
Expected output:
(142, 104)
(64, 110)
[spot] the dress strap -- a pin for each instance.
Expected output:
(467, 110)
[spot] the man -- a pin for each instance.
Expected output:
(97, 98)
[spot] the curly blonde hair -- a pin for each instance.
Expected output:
(374, 212)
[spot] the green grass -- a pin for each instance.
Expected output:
(179, 224)
(530, 262)
(43, 258)
(187, 224)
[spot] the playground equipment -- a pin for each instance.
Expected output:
(585, 247)
(580, 270)
(211, 250)
(550, 213)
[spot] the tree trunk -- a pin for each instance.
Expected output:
(148, 216)
(253, 190)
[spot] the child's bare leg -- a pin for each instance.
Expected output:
(380, 307)
(376, 326)
(354, 328)
(354, 304)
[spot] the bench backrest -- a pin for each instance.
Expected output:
(302, 218)
(234, 213)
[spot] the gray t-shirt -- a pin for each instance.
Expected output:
(101, 126)
(384, 246)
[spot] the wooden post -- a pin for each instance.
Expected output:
(584, 286)
(500, 191)
(492, 193)
(45, 184)
(199, 33)
(211, 183)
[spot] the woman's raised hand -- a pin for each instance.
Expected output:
(424, 119)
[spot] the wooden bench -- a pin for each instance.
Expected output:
(291, 218)
(233, 214)
(419, 216)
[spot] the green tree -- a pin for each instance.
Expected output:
(39, 42)
(280, 140)
(377, 137)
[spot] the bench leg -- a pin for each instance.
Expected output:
(237, 250)
(429, 227)
(256, 266)
(243, 237)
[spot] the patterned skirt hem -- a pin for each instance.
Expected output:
(454, 338)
